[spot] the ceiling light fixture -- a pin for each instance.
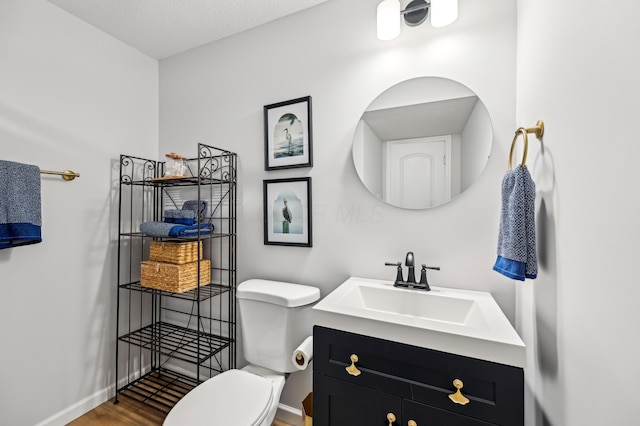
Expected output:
(443, 12)
(388, 19)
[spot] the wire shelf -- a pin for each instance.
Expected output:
(178, 342)
(161, 389)
(206, 292)
(177, 181)
(204, 344)
(212, 235)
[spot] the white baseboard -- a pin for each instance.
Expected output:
(78, 409)
(285, 413)
(85, 405)
(289, 415)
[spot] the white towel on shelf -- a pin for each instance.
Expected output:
(517, 257)
(20, 210)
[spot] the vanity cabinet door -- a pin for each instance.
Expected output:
(340, 403)
(426, 415)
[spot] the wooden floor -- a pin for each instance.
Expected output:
(126, 412)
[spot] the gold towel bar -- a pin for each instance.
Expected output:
(538, 130)
(66, 175)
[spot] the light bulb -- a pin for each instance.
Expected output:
(443, 12)
(388, 19)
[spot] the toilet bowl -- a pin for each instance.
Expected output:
(245, 397)
(275, 319)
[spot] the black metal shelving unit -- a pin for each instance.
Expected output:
(167, 343)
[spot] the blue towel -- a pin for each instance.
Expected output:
(200, 211)
(517, 256)
(163, 229)
(20, 213)
(182, 217)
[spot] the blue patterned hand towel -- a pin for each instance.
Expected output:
(20, 213)
(517, 256)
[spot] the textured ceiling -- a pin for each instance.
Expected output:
(162, 28)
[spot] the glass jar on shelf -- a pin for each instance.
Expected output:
(176, 165)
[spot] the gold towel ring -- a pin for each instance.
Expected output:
(538, 130)
(523, 131)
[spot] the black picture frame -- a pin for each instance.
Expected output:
(288, 134)
(287, 212)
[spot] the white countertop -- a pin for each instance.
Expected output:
(462, 322)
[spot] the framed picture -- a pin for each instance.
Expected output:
(288, 135)
(287, 212)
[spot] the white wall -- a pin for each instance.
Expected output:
(70, 97)
(215, 94)
(578, 67)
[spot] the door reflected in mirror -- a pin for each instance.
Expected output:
(422, 142)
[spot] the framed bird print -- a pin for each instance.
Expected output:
(287, 212)
(288, 134)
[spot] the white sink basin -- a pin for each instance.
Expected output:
(433, 305)
(463, 322)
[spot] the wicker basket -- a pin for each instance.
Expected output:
(175, 252)
(172, 277)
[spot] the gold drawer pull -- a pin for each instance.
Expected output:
(458, 397)
(412, 423)
(391, 418)
(352, 369)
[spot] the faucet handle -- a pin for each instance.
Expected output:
(399, 277)
(423, 275)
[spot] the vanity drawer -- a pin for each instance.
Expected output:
(332, 350)
(495, 391)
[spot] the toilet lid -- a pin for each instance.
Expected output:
(234, 397)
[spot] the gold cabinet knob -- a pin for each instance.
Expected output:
(412, 423)
(458, 397)
(391, 418)
(352, 369)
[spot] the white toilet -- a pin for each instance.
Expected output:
(275, 318)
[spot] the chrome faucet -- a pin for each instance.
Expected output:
(411, 278)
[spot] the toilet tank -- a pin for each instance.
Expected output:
(275, 317)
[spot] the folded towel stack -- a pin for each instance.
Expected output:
(163, 229)
(20, 211)
(517, 256)
(200, 208)
(182, 217)
(180, 223)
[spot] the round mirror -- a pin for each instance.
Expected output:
(422, 142)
